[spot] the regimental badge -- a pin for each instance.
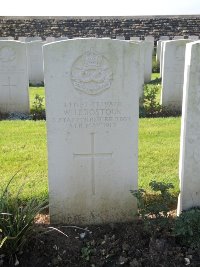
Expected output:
(91, 73)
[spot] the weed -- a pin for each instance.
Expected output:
(154, 209)
(85, 252)
(16, 221)
(38, 111)
(187, 227)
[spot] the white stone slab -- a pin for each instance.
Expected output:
(34, 38)
(149, 38)
(92, 127)
(135, 38)
(178, 37)
(189, 164)
(35, 62)
(164, 38)
(13, 77)
(61, 38)
(161, 56)
(173, 73)
(6, 38)
(50, 39)
(148, 48)
(141, 65)
(193, 37)
(158, 49)
(118, 37)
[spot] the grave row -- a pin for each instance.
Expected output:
(92, 89)
(22, 63)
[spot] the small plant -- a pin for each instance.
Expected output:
(187, 227)
(156, 206)
(16, 221)
(38, 111)
(150, 104)
(85, 252)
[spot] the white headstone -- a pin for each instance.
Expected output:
(135, 38)
(14, 95)
(50, 39)
(22, 39)
(92, 128)
(61, 38)
(178, 37)
(6, 38)
(161, 56)
(34, 38)
(35, 62)
(193, 37)
(149, 38)
(158, 49)
(141, 65)
(164, 38)
(189, 164)
(148, 48)
(173, 73)
(120, 37)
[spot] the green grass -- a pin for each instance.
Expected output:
(23, 150)
(159, 142)
(23, 147)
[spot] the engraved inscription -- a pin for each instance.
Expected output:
(91, 73)
(87, 115)
(93, 155)
(7, 54)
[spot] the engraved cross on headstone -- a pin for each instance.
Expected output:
(93, 155)
(9, 85)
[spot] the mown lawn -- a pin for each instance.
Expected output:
(23, 149)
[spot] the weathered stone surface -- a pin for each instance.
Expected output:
(13, 77)
(189, 166)
(92, 127)
(173, 73)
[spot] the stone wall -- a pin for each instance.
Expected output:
(100, 26)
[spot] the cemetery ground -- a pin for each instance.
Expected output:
(145, 242)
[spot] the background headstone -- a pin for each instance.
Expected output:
(92, 128)
(141, 65)
(6, 38)
(14, 95)
(50, 39)
(61, 38)
(35, 62)
(178, 37)
(148, 49)
(158, 49)
(193, 37)
(34, 38)
(189, 164)
(118, 37)
(135, 38)
(173, 73)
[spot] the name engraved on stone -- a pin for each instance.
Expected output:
(91, 73)
(7, 54)
(93, 155)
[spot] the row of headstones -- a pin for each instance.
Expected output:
(171, 56)
(21, 63)
(92, 127)
(92, 102)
